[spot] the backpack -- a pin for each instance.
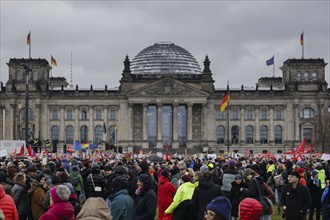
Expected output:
(75, 181)
(279, 180)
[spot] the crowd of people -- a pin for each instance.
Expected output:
(188, 188)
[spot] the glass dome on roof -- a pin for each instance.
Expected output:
(164, 58)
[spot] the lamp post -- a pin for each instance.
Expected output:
(26, 119)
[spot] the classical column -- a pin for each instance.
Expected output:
(2, 123)
(91, 129)
(242, 127)
(144, 126)
(289, 123)
(76, 126)
(257, 126)
(130, 119)
(271, 125)
(105, 121)
(296, 122)
(11, 126)
(175, 143)
(159, 125)
(38, 121)
(189, 125)
(62, 128)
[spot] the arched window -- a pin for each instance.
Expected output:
(98, 114)
(264, 134)
(84, 115)
(69, 134)
(19, 75)
(314, 76)
(112, 135)
(234, 114)
(306, 76)
(151, 125)
(263, 113)
(69, 114)
(297, 75)
(234, 134)
(98, 134)
(249, 134)
(307, 113)
(220, 134)
(55, 133)
(278, 134)
(84, 133)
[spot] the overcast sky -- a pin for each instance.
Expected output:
(238, 36)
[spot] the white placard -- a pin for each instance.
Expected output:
(3, 153)
(325, 157)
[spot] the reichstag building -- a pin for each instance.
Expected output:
(167, 100)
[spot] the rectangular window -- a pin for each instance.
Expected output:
(113, 114)
(263, 114)
(220, 115)
(69, 115)
(98, 115)
(249, 115)
(84, 115)
(278, 114)
(307, 133)
(55, 115)
(234, 114)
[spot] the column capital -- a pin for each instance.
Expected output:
(189, 104)
(175, 104)
(159, 104)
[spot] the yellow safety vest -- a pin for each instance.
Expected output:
(321, 177)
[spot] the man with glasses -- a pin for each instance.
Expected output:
(296, 199)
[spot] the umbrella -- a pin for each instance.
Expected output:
(155, 159)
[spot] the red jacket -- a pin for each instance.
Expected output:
(59, 211)
(250, 209)
(7, 205)
(166, 192)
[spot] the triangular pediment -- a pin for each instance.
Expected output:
(168, 87)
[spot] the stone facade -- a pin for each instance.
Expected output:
(273, 117)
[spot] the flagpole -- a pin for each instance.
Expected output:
(227, 120)
(30, 46)
(274, 66)
(302, 44)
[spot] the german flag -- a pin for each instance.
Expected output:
(28, 40)
(53, 61)
(225, 101)
(302, 39)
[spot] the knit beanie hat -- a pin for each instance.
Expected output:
(186, 178)
(39, 176)
(238, 177)
(220, 205)
(300, 170)
(60, 193)
(314, 172)
(165, 173)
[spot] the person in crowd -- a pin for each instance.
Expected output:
(182, 199)
(21, 196)
(228, 177)
(236, 195)
(60, 207)
(147, 200)
(76, 180)
(314, 186)
(108, 177)
(11, 170)
(95, 183)
(280, 177)
(250, 209)
(7, 205)
(296, 200)
(90, 212)
(218, 209)
(122, 204)
(175, 177)
(302, 179)
(325, 202)
(204, 193)
(37, 195)
(321, 175)
(85, 172)
(166, 192)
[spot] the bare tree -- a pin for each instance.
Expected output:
(323, 132)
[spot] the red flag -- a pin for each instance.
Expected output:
(309, 150)
(247, 153)
(14, 153)
(22, 152)
(301, 147)
(28, 39)
(44, 151)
